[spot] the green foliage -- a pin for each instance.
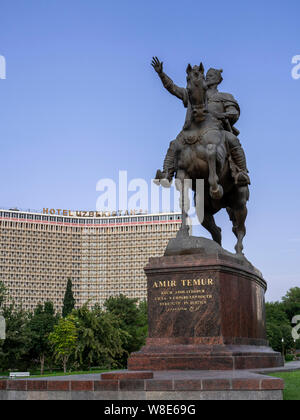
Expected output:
(3, 294)
(292, 296)
(291, 302)
(279, 316)
(14, 350)
(83, 339)
(100, 337)
(275, 313)
(40, 325)
(63, 339)
(69, 301)
(274, 336)
(132, 319)
(289, 357)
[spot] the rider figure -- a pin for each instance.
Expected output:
(223, 106)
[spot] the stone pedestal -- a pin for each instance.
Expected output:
(206, 312)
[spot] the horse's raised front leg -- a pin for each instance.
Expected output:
(216, 191)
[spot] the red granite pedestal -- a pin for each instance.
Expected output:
(206, 312)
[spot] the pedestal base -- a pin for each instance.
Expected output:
(189, 357)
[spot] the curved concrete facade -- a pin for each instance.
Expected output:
(103, 256)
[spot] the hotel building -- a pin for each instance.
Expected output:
(103, 256)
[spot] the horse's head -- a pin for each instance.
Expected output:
(196, 87)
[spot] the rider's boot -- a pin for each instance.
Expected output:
(241, 177)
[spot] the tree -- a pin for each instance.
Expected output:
(132, 319)
(275, 313)
(69, 301)
(40, 325)
(3, 294)
(292, 296)
(278, 327)
(14, 350)
(100, 338)
(291, 302)
(63, 340)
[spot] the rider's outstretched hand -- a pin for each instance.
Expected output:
(157, 65)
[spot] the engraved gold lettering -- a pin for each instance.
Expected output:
(165, 283)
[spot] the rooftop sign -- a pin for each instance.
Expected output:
(92, 214)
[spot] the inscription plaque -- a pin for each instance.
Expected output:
(189, 298)
(185, 306)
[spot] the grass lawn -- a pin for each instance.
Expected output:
(58, 373)
(292, 384)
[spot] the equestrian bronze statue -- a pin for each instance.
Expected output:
(208, 148)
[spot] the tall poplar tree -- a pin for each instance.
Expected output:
(69, 301)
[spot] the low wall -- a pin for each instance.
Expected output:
(260, 388)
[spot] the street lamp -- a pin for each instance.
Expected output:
(282, 341)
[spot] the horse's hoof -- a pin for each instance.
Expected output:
(165, 183)
(218, 193)
(240, 254)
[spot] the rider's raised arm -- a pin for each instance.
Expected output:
(168, 83)
(175, 90)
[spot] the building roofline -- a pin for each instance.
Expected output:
(74, 216)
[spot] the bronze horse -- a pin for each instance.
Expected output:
(202, 153)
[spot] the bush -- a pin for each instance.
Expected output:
(289, 357)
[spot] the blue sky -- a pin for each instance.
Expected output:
(81, 102)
